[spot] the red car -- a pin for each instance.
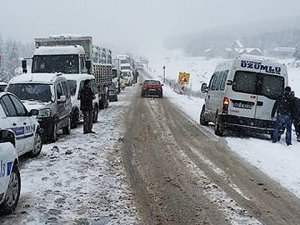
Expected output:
(152, 87)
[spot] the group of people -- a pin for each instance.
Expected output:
(287, 108)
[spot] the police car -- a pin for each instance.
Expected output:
(10, 181)
(14, 116)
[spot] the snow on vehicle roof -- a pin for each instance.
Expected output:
(78, 76)
(3, 83)
(59, 50)
(47, 78)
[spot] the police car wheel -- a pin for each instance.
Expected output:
(13, 193)
(37, 146)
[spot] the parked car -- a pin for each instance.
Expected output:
(112, 93)
(152, 87)
(76, 82)
(241, 94)
(2, 86)
(10, 180)
(50, 95)
(14, 116)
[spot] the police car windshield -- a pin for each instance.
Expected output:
(55, 63)
(32, 92)
(270, 86)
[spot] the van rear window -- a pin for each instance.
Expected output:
(270, 86)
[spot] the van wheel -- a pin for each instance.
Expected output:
(53, 136)
(13, 192)
(203, 121)
(219, 127)
(67, 128)
(75, 119)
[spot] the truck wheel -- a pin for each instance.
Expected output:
(13, 192)
(95, 114)
(37, 146)
(219, 127)
(203, 121)
(67, 128)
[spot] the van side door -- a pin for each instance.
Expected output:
(270, 87)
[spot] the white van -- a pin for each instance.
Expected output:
(241, 93)
(76, 83)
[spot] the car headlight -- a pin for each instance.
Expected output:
(44, 113)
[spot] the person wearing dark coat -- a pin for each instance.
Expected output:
(283, 107)
(86, 106)
(296, 116)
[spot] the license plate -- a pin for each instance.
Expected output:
(242, 105)
(152, 89)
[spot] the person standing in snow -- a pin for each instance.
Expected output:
(283, 107)
(86, 106)
(296, 115)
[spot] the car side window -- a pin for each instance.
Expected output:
(224, 78)
(65, 89)
(219, 80)
(8, 106)
(59, 91)
(21, 111)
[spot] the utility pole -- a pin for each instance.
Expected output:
(164, 68)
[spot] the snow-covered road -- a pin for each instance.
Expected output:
(79, 179)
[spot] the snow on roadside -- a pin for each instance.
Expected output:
(80, 178)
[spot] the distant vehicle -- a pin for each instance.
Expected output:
(113, 93)
(2, 86)
(116, 79)
(152, 87)
(50, 95)
(76, 82)
(241, 94)
(14, 116)
(127, 76)
(10, 180)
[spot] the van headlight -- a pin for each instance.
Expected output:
(44, 113)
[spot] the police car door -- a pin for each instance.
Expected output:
(27, 122)
(13, 122)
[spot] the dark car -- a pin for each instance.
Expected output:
(152, 87)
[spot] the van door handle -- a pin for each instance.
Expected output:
(24, 123)
(259, 103)
(14, 124)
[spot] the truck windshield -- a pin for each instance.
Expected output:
(55, 63)
(270, 86)
(32, 92)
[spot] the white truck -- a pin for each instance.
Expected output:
(89, 59)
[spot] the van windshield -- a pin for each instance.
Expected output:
(270, 86)
(32, 92)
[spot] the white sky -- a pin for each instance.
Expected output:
(134, 24)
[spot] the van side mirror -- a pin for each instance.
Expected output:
(24, 65)
(204, 88)
(62, 99)
(7, 136)
(33, 112)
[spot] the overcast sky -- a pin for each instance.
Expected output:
(133, 24)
